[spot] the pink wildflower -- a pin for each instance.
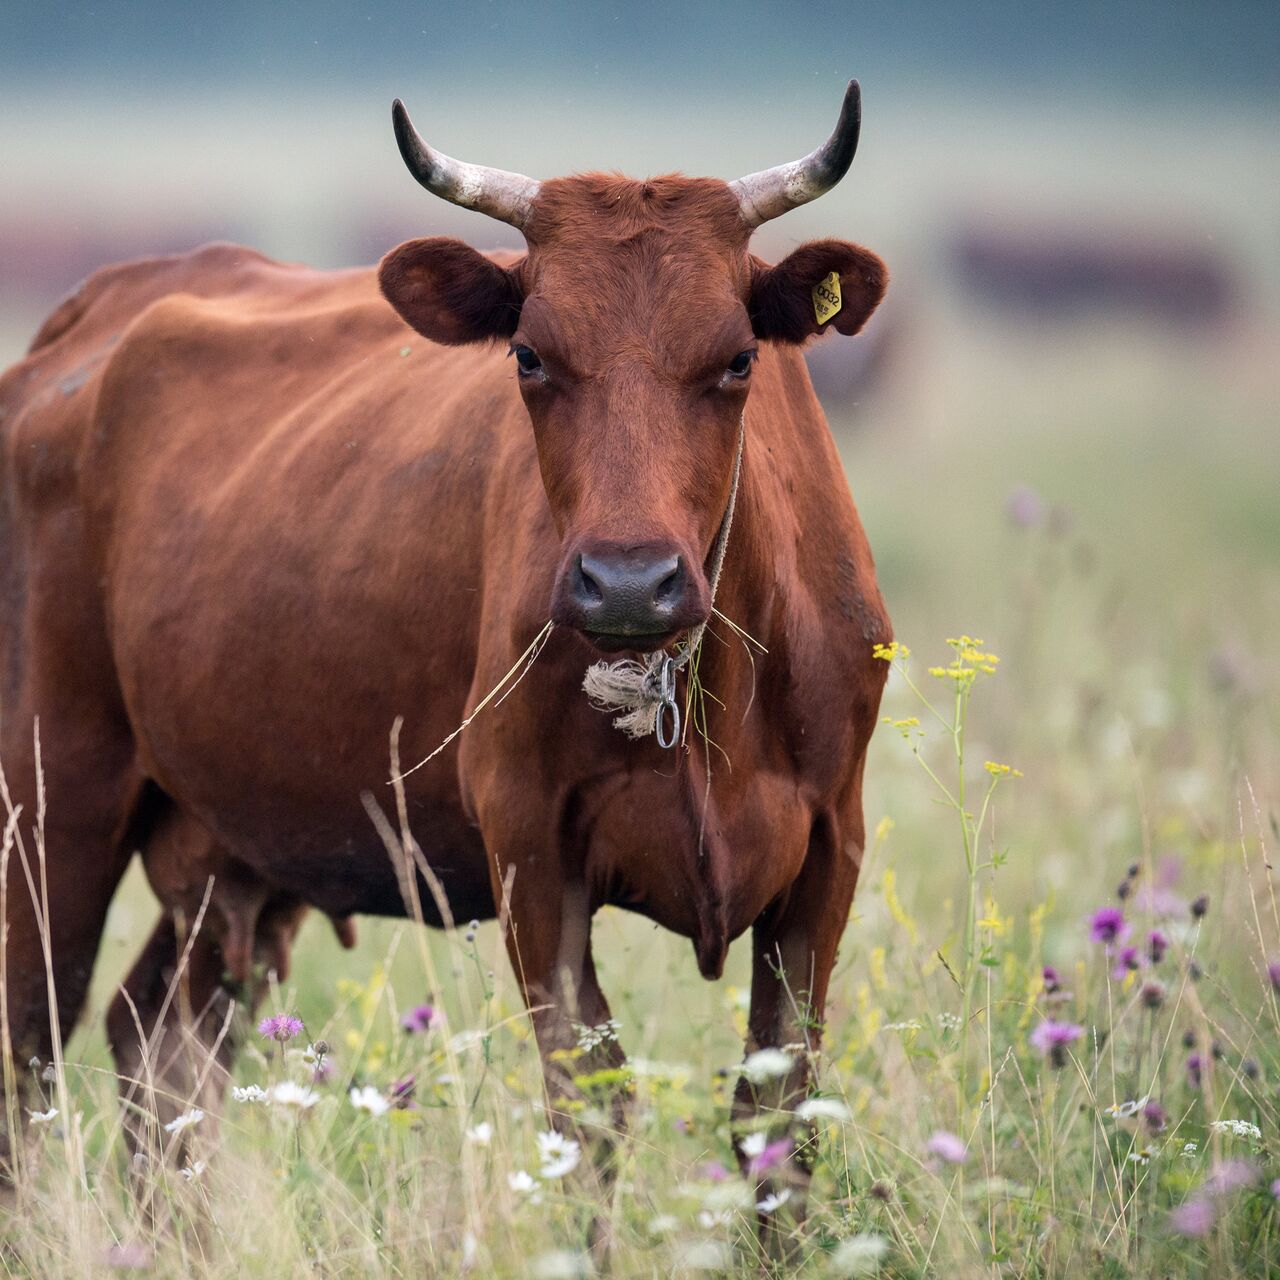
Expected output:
(1051, 1039)
(1195, 1217)
(773, 1154)
(947, 1146)
(129, 1257)
(1230, 1176)
(421, 1017)
(281, 1027)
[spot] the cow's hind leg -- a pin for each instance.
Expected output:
(178, 1020)
(63, 859)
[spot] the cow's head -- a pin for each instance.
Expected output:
(634, 322)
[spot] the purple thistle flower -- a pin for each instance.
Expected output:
(1107, 925)
(1200, 907)
(420, 1018)
(1195, 1070)
(1051, 1038)
(1275, 1188)
(1154, 1117)
(1273, 975)
(281, 1027)
(1195, 1217)
(946, 1146)
(774, 1153)
(1127, 962)
(400, 1095)
(1157, 945)
(1052, 982)
(1153, 994)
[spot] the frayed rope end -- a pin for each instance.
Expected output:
(630, 687)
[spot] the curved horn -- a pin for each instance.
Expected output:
(502, 195)
(772, 192)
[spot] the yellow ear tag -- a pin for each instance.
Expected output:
(826, 298)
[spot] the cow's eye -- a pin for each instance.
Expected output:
(527, 359)
(740, 365)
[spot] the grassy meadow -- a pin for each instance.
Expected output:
(1099, 511)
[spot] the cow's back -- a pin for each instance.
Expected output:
(280, 499)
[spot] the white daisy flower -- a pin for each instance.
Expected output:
(521, 1182)
(193, 1171)
(753, 1144)
(42, 1117)
(184, 1121)
(250, 1093)
(481, 1134)
(371, 1100)
(823, 1109)
(774, 1201)
(560, 1155)
(708, 1219)
(765, 1065)
(288, 1094)
(1123, 1110)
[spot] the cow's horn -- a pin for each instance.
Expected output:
(502, 195)
(772, 192)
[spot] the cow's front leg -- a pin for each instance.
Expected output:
(794, 948)
(547, 926)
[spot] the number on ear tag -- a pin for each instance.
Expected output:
(826, 298)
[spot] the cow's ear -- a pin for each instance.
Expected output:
(787, 299)
(451, 293)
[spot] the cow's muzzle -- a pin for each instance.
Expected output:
(638, 598)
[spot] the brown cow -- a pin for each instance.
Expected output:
(251, 519)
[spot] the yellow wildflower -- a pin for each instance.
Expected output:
(997, 770)
(888, 652)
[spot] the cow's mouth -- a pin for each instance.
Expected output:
(615, 642)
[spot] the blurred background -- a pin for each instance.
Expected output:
(1061, 429)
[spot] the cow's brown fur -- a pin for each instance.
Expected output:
(250, 519)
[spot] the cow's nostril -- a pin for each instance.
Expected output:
(586, 586)
(669, 588)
